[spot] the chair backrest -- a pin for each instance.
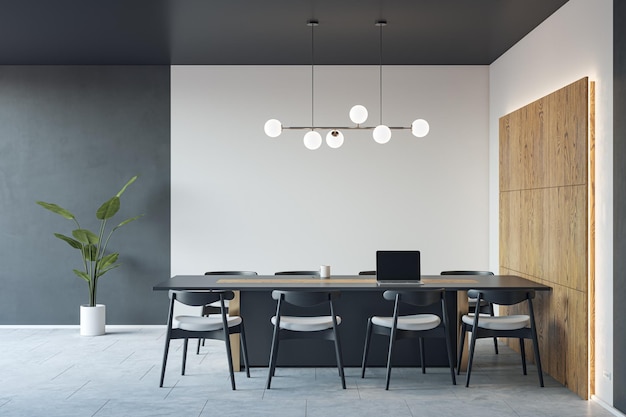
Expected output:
(367, 273)
(230, 273)
(200, 298)
(420, 298)
(298, 273)
(305, 298)
(506, 297)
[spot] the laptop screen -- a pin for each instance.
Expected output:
(398, 265)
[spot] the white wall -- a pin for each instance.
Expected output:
(241, 200)
(574, 42)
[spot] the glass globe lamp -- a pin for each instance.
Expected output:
(358, 114)
(420, 128)
(312, 140)
(273, 128)
(334, 139)
(381, 134)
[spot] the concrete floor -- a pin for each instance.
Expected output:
(56, 372)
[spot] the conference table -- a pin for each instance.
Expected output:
(360, 298)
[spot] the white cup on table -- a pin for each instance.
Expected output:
(325, 271)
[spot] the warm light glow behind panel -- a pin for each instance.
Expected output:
(545, 193)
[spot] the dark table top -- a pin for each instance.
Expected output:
(342, 282)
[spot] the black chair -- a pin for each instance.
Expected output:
(214, 308)
(299, 327)
(367, 273)
(198, 327)
(412, 326)
(317, 273)
(520, 326)
(484, 306)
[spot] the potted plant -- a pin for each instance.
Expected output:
(96, 261)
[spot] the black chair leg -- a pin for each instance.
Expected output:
(229, 356)
(392, 338)
(198, 348)
(244, 349)
(470, 359)
(366, 347)
(275, 360)
(185, 344)
(422, 355)
(339, 360)
(495, 339)
(461, 346)
(273, 355)
(522, 349)
(450, 357)
(537, 359)
(165, 353)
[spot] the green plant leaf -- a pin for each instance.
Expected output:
(127, 221)
(90, 252)
(90, 243)
(56, 209)
(107, 260)
(82, 274)
(108, 209)
(86, 237)
(104, 271)
(130, 181)
(72, 242)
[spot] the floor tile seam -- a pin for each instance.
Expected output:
(126, 358)
(101, 407)
(171, 389)
(511, 407)
(147, 372)
(408, 408)
(111, 344)
(203, 407)
(62, 372)
(37, 346)
(79, 388)
(50, 357)
(2, 404)
(358, 389)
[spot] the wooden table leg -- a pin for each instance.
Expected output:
(235, 344)
(462, 308)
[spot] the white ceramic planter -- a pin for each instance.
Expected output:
(92, 320)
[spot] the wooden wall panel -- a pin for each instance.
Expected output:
(544, 223)
(510, 251)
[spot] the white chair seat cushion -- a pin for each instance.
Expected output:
(414, 322)
(306, 324)
(512, 322)
(204, 324)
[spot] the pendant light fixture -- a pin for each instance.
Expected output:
(358, 113)
(381, 133)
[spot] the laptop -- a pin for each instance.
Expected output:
(398, 267)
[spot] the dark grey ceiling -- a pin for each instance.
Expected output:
(264, 32)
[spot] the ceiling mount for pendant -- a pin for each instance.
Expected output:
(358, 113)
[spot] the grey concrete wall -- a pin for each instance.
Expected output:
(73, 135)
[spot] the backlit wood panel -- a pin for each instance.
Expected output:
(591, 204)
(545, 200)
